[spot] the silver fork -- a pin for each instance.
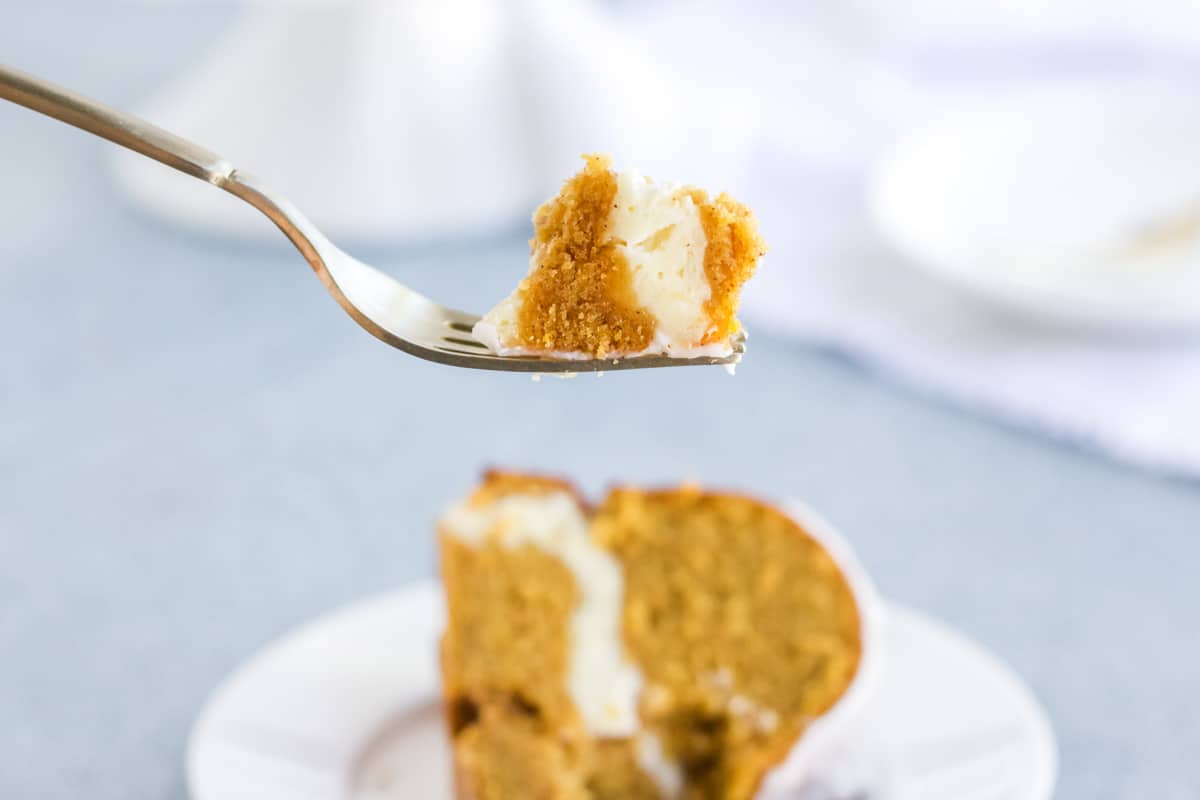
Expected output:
(386, 308)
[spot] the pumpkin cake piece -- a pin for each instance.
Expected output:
(667, 644)
(621, 266)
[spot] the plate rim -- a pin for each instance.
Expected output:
(427, 592)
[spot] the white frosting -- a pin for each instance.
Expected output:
(602, 683)
(499, 326)
(664, 243)
(654, 762)
(661, 235)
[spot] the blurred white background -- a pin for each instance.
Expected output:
(1029, 155)
(987, 205)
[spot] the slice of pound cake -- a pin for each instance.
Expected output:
(621, 266)
(666, 644)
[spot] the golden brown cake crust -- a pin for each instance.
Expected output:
(499, 483)
(580, 297)
(730, 257)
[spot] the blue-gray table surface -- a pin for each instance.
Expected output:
(198, 450)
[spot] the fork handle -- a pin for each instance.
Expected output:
(116, 126)
(174, 151)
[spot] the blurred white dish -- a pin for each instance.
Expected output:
(347, 709)
(423, 120)
(1078, 203)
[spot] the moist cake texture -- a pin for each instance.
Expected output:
(622, 266)
(665, 644)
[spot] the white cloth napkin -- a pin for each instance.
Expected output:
(829, 281)
(838, 83)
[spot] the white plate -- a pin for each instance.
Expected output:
(1079, 203)
(346, 708)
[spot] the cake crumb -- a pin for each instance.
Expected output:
(586, 291)
(740, 705)
(721, 678)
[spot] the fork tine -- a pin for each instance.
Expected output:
(460, 320)
(470, 343)
(461, 327)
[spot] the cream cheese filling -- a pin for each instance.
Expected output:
(659, 231)
(604, 685)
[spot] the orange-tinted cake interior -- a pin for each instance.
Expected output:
(665, 644)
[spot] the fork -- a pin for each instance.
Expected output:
(387, 309)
